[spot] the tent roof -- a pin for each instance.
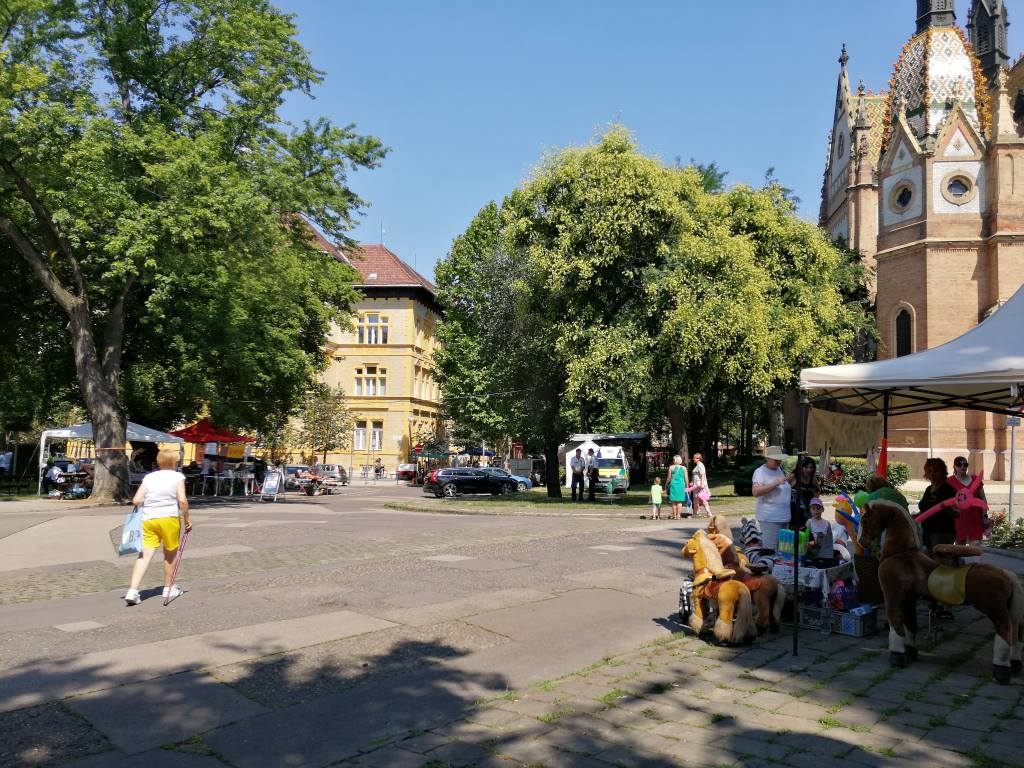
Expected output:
(974, 371)
(205, 432)
(136, 433)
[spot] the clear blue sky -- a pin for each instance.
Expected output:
(470, 93)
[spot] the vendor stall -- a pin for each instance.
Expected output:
(136, 433)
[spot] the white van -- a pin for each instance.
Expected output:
(612, 466)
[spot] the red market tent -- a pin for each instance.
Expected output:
(204, 432)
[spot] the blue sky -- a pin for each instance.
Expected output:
(469, 94)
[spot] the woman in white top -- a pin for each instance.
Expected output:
(701, 489)
(164, 505)
(771, 488)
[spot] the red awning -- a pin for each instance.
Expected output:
(204, 432)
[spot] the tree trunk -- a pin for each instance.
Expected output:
(109, 424)
(776, 417)
(551, 470)
(677, 420)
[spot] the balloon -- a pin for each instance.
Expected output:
(861, 499)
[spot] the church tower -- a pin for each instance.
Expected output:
(934, 13)
(926, 181)
(987, 25)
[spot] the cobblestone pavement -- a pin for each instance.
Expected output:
(684, 702)
(484, 645)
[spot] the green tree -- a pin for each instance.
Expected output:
(324, 421)
(149, 185)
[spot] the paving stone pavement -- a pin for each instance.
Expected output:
(679, 702)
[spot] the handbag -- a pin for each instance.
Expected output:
(704, 494)
(131, 534)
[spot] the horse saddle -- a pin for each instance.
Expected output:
(948, 584)
(753, 583)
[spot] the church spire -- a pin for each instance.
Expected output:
(987, 25)
(935, 13)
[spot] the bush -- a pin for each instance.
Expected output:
(855, 475)
(1006, 535)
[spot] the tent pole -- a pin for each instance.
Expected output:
(1013, 468)
(39, 473)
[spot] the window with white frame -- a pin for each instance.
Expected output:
(372, 328)
(371, 381)
(377, 436)
(359, 436)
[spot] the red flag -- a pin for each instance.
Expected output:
(883, 458)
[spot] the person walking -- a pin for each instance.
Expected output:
(677, 484)
(701, 489)
(577, 466)
(970, 525)
(772, 490)
(164, 508)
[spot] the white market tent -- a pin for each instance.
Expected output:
(982, 370)
(136, 433)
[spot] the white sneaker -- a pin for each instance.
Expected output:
(173, 592)
(132, 597)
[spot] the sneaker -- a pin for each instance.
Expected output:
(132, 597)
(173, 592)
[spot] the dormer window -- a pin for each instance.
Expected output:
(372, 276)
(904, 197)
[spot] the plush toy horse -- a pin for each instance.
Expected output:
(713, 583)
(765, 590)
(906, 574)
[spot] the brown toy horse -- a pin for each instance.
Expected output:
(713, 583)
(906, 574)
(765, 590)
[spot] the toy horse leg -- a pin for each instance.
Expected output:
(1017, 652)
(763, 604)
(910, 628)
(1002, 648)
(696, 619)
(900, 632)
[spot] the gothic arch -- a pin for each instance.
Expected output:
(903, 329)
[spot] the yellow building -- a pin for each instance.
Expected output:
(384, 362)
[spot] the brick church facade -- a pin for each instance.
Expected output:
(926, 181)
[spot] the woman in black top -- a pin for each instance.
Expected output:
(940, 528)
(805, 488)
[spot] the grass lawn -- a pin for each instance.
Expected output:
(536, 501)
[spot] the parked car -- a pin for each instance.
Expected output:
(406, 472)
(458, 481)
(291, 476)
(742, 479)
(522, 483)
(334, 472)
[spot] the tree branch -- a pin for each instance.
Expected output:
(57, 241)
(46, 275)
(113, 334)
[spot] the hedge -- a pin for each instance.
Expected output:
(855, 475)
(1006, 535)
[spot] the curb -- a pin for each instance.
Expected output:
(1016, 554)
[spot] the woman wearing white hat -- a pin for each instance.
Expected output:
(772, 489)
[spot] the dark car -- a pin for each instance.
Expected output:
(458, 481)
(522, 483)
(742, 480)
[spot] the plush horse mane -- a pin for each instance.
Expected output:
(903, 514)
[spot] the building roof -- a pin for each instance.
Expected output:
(380, 267)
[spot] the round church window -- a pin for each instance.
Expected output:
(958, 188)
(904, 197)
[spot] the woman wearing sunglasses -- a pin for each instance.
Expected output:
(970, 525)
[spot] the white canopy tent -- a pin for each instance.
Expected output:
(981, 370)
(136, 433)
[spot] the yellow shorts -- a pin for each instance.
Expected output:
(162, 530)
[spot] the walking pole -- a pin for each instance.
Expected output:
(177, 562)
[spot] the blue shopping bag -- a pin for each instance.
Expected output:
(131, 534)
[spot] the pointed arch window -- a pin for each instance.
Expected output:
(904, 333)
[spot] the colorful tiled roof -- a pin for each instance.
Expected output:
(380, 267)
(875, 106)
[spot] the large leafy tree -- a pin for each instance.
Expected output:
(149, 186)
(325, 421)
(610, 287)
